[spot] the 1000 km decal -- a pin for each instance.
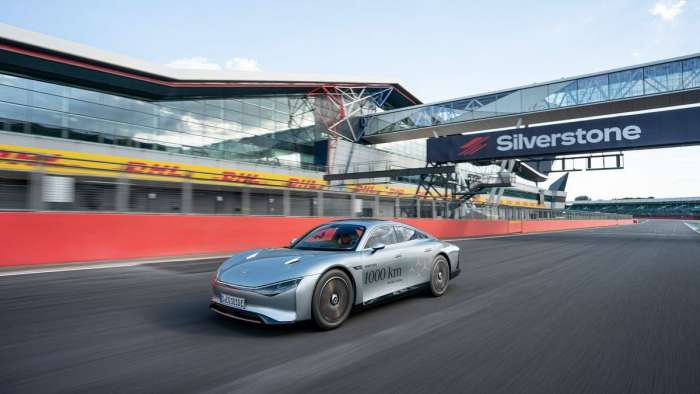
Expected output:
(392, 274)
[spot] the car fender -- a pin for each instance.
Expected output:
(452, 253)
(304, 294)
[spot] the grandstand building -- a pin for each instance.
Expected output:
(671, 208)
(79, 125)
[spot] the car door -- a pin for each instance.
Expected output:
(416, 256)
(381, 268)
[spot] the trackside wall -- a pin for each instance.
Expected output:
(30, 238)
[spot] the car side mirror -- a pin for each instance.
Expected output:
(292, 242)
(378, 247)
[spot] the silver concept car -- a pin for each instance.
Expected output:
(331, 269)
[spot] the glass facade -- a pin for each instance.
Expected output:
(277, 130)
(646, 80)
(413, 149)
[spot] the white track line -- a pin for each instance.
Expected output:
(690, 226)
(97, 266)
(527, 234)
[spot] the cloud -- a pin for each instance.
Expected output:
(242, 64)
(203, 63)
(667, 11)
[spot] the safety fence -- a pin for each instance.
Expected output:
(60, 237)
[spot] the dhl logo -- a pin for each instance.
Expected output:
(241, 177)
(310, 184)
(28, 159)
(156, 169)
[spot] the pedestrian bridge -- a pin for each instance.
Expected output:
(659, 84)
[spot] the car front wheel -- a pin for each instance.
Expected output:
(333, 299)
(439, 276)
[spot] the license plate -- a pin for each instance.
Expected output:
(236, 302)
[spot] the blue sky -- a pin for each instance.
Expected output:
(437, 49)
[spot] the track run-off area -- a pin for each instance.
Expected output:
(612, 309)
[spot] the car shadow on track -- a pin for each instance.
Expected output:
(190, 315)
(195, 318)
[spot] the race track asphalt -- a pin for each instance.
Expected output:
(608, 310)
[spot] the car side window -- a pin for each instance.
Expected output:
(419, 235)
(403, 234)
(381, 235)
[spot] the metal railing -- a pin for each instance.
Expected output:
(377, 165)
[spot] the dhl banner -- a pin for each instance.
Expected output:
(60, 162)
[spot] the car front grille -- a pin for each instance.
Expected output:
(236, 313)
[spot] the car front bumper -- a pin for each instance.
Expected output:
(284, 308)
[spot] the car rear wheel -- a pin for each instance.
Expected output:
(333, 299)
(439, 276)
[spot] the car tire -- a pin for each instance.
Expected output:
(333, 299)
(439, 276)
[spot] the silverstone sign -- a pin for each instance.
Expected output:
(648, 130)
(520, 141)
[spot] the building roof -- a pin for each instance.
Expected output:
(29, 52)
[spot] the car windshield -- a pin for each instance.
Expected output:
(332, 237)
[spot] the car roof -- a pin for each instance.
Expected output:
(367, 222)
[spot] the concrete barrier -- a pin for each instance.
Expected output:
(30, 238)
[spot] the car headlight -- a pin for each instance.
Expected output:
(277, 288)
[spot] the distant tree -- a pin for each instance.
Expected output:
(582, 198)
(634, 198)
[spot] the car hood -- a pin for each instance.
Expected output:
(261, 267)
